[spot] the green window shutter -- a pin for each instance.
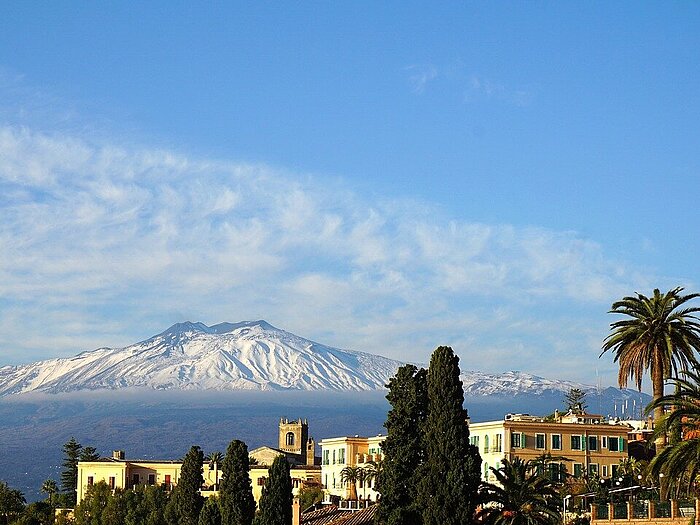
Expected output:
(523, 443)
(622, 444)
(583, 442)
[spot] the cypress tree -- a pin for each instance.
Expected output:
(189, 501)
(276, 499)
(451, 472)
(69, 476)
(403, 448)
(236, 492)
(211, 514)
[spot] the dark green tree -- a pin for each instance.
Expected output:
(450, 475)
(310, 495)
(186, 502)
(11, 503)
(89, 454)
(211, 513)
(403, 448)
(236, 492)
(521, 496)
(276, 499)
(90, 510)
(575, 401)
(69, 476)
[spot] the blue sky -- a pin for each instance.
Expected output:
(382, 178)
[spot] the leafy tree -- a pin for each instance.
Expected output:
(89, 454)
(521, 497)
(575, 401)
(276, 499)
(50, 487)
(186, 502)
(398, 479)
(11, 502)
(211, 513)
(309, 495)
(451, 471)
(37, 513)
(215, 459)
(89, 511)
(236, 492)
(69, 476)
(660, 334)
(350, 476)
(679, 462)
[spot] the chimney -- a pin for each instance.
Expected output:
(296, 512)
(118, 454)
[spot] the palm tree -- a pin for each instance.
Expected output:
(350, 475)
(657, 335)
(215, 459)
(372, 471)
(521, 497)
(678, 465)
(50, 487)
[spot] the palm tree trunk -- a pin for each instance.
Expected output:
(657, 380)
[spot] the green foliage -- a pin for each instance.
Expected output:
(575, 401)
(679, 462)
(450, 475)
(236, 492)
(211, 513)
(11, 503)
(89, 454)
(276, 499)
(309, 495)
(50, 487)
(89, 511)
(660, 334)
(38, 513)
(186, 501)
(143, 505)
(521, 497)
(403, 447)
(69, 476)
(350, 475)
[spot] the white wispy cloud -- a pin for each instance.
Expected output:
(103, 244)
(480, 87)
(421, 75)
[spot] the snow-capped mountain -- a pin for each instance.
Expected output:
(245, 356)
(193, 356)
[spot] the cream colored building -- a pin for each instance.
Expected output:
(338, 453)
(594, 446)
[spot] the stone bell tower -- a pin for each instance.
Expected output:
(294, 439)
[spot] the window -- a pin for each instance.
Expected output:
(151, 479)
(91, 480)
(261, 482)
(325, 481)
(498, 440)
(613, 444)
(112, 482)
(516, 439)
(341, 456)
(474, 440)
(486, 444)
(135, 479)
(326, 454)
(556, 441)
(540, 441)
(578, 470)
(486, 471)
(603, 442)
(593, 443)
(575, 442)
(593, 469)
(604, 469)
(613, 470)
(289, 440)
(554, 472)
(334, 458)
(333, 480)
(167, 481)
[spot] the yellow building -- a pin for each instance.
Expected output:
(295, 445)
(338, 453)
(594, 446)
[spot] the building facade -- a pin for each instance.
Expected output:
(341, 452)
(590, 445)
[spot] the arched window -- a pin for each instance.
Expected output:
(290, 439)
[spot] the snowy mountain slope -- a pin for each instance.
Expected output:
(246, 356)
(193, 356)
